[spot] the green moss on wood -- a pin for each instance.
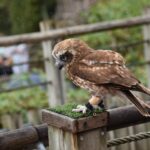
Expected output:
(67, 111)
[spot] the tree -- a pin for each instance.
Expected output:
(24, 16)
(68, 13)
(5, 23)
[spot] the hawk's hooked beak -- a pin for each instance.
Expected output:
(60, 64)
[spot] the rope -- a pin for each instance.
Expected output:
(128, 139)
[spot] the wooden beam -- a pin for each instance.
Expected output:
(146, 36)
(20, 138)
(25, 87)
(118, 118)
(76, 30)
(126, 116)
(55, 97)
(66, 133)
(74, 125)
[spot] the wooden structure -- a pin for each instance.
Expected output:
(76, 30)
(23, 138)
(146, 34)
(118, 118)
(76, 134)
(55, 97)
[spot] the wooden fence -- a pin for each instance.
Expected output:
(29, 136)
(76, 30)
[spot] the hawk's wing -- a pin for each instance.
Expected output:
(103, 67)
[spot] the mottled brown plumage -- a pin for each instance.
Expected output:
(99, 71)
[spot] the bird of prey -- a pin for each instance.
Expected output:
(100, 72)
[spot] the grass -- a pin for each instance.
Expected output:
(67, 111)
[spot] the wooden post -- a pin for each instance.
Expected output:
(18, 119)
(56, 94)
(7, 121)
(33, 116)
(146, 34)
(76, 134)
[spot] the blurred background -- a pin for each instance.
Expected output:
(28, 80)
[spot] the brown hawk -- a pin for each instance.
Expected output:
(98, 71)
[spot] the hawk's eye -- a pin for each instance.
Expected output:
(63, 57)
(66, 57)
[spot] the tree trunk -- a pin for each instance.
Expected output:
(68, 12)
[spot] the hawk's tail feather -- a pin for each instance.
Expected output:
(140, 105)
(142, 88)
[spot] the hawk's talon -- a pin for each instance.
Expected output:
(80, 108)
(94, 114)
(101, 105)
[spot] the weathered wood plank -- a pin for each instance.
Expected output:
(76, 134)
(58, 120)
(55, 97)
(147, 125)
(146, 35)
(61, 140)
(92, 140)
(33, 116)
(7, 121)
(142, 144)
(64, 140)
(124, 117)
(74, 125)
(84, 124)
(121, 133)
(20, 138)
(18, 143)
(76, 30)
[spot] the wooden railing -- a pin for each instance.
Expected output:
(76, 30)
(28, 136)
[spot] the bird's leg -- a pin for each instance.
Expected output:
(101, 105)
(92, 104)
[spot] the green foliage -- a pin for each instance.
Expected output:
(22, 100)
(48, 8)
(77, 95)
(116, 9)
(4, 23)
(25, 15)
(67, 111)
(111, 10)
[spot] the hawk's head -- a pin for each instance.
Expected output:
(68, 51)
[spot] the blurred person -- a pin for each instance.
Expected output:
(5, 63)
(1, 65)
(19, 54)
